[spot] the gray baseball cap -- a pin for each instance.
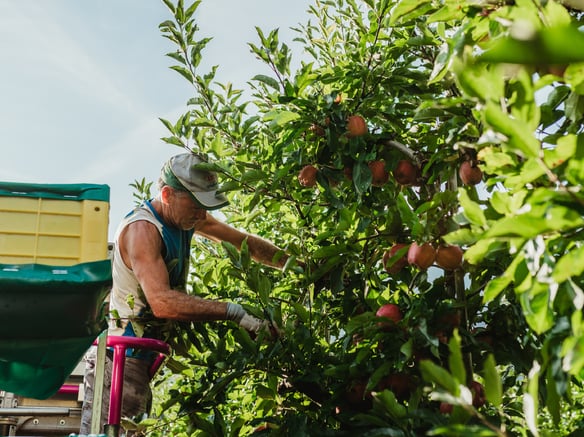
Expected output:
(181, 172)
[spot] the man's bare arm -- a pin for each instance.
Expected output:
(141, 246)
(260, 249)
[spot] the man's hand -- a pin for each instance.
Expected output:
(250, 323)
(255, 326)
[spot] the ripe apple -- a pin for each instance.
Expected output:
(401, 384)
(446, 408)
(389, 311)
(484, 338)
(379, 175)
(451, 319)
(399, 264)
(421, 256)
(405, 172)
(449, 257)
(348, 172)
(442, 337)
(478, 394)
(317, 130)
(357, 396)
(470, 174)
(356, 126)
(307, 176)
(556, 69)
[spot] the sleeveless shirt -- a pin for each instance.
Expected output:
(130, 313)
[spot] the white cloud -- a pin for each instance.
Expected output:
(83, 84)
(51, 52)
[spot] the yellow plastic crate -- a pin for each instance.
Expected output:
(59, 225)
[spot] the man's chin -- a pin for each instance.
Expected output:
(188, 226)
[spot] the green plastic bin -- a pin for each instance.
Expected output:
(50, 314)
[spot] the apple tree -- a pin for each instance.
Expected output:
(423, 154)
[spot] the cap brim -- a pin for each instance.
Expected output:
(210, 199)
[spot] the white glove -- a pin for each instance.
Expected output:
(252, 324)
(235, 312)
(248, 322)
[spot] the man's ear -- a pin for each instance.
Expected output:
(165, 193)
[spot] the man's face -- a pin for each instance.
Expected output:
(185, 212)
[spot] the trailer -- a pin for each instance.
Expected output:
(55, 277)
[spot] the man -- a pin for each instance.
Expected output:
(150, 267)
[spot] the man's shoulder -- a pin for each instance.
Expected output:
(139, 220)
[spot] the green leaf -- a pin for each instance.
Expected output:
(441, 65)
(563, 151)
(379, 373)
(431, 372)
(191, 9)
(264, 289)
(538, 220)
(553, 398)
(506, 203)
(405, 211)
(455, 362)
(472, 210)
(477, 252)
(461, 237)
(253, 176)
(409, 8)
(216, 145)
(361, 177)
(536, 305)
(497, 285)
(301, 312)
(243, 338)
(170, 5)
(232, 252)
(479, 81)
(549, 45)
(328, 251)
(264, 392)
(281, 118)
(270, 81)
(493, 384)
(462, 430)
(571, 264)
(518, 133)
(183, 72)
(168, 125)
(574, 76)
(387, 400)
(450, 11)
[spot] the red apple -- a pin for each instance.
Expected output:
(307, 176)
(405, 172)
(446, 408)
(390, 311)
(449, 257)
(401, 384)
(470, 174)
(478, 394)
(421, 256)
(357, 396)
(356, 126)
(399, 263)
(348, 172)
(317, 130)
(379, 175)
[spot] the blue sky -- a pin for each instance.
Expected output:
(83, 83)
